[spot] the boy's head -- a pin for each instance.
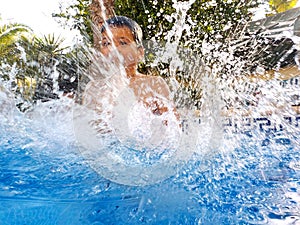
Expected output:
(124, 35)
(123, 21)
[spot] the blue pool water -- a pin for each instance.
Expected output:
(45, 180)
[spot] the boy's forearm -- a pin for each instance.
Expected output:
(98, 15)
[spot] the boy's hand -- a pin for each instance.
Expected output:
(156, 106)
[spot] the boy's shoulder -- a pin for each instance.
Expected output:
(152, 80)
(159, 81)
(158, 84)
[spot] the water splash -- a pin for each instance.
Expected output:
(239, 167)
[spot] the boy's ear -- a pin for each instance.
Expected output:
(141, 52)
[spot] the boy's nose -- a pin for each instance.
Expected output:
(114, 55)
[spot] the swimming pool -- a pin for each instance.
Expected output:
(253, 179)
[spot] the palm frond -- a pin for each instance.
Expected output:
(10, 32)
(51, 44)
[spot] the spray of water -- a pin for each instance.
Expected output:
(122, 140)
(243, 127)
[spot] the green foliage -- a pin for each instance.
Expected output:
(10, 35)
(76, 16)
(37, 68)
(220, 17)
(203, 19)
(30, 64)
(150, 15)
(207, 17)
(200, 20)
(39, 55)
(34, 68)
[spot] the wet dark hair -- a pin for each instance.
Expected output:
(121, 21)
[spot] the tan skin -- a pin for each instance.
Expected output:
(148, 89)
(152, 91)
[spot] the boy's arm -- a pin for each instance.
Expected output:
(93, 94)
(98, 15)
(163, 88)
(161, 101)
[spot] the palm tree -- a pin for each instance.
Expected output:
(36, 72)
(10, 35)
(32, 59)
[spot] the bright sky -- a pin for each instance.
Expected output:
(37, 15)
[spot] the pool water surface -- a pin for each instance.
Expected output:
(45, 180)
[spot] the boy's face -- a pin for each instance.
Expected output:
(125, 45)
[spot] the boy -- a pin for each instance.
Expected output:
(121, 46)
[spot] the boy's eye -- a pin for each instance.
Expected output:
(105, 43)
(123, 43)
